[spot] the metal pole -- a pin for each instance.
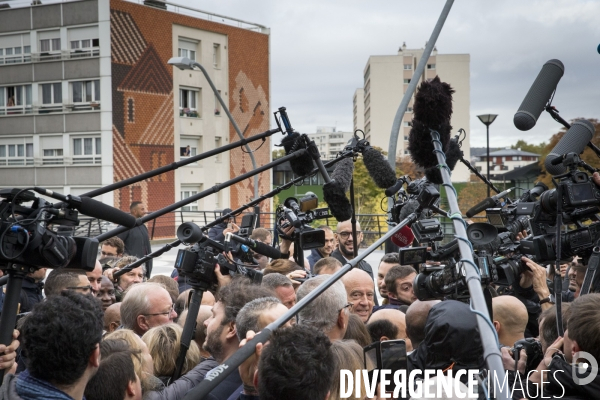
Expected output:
(235, 126)
(487, 127)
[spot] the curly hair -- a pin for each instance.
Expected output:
(59, 336)
(237, 294)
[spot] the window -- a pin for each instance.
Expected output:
(217, 55)
(407, 123)
(130, 111)
(409, 109)
(188, 48)
(405, 137)
(430, 66)
(188, 103)
(407, 81)
(15, 99)
(52, 150)
(51, 96)
(49, 45)
(367, 73)
(407, 66)
(188, 147)
(16, 151)
(83, 41)
(217, 145)
(87, 150)
(189, 192)
(15, 49)
(85, 91)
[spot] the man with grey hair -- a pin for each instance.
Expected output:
(329, 312)
(257, 314)
(282, 287)
(145, 306)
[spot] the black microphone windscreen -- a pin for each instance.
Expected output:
(420, 145)
(266, 250)
(342, 173)
(410, 207)
(301, 165)
(453, 154)
(433, 103)
(339, 205)
(379, 169)
(100, 210)
(487, 203)
(539, 94)
(574, 141)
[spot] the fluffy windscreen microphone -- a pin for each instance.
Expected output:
(301, 165)
(335, 197)
(410, 207)
(453, 154)
(379, 169)
(342, 173)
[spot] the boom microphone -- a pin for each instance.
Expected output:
(574, 141)
(92, 208)
(258, 247)
(378, 168)
(335, 197)
(539, 94)
(302, 165)
(342, 173)
(487, 203)
(453, 154)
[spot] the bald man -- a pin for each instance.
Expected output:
(415, 319)
(361, 293)
(112, 318)
(346, 245)
(95, 277)
(510, 319)
(397, 318)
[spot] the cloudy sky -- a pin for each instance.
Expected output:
(319, 50)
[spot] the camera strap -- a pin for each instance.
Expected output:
(591, 278)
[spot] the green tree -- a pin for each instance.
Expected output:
(530, 147)
(277, 153)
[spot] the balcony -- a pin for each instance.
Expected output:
(49, 109)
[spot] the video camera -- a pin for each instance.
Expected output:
(299, 214)
(197, 264)
(27, 240)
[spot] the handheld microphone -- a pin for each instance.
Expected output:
(405, 236)
(574, 141)
(92, 208)
(538, 95)
(258, 247)
(487, 203)
(378, 168)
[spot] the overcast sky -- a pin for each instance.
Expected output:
(319, 50)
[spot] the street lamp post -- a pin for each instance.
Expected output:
(487, 120)
(185, 63)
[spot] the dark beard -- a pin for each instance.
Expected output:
(214, 346)
(348, 256)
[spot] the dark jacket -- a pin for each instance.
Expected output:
(137, 243)
(226, 388)
(179, 388)
(216, 232)
(33, 291)
(313, 258)
(560, 379)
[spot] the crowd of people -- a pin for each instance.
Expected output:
(105, 335)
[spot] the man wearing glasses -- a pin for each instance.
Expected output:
(345, 249)
(147, 305)
(63, 279)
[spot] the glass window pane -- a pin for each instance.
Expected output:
(57, 93)
(77, 147)
(1, 52)
(56, 44)
(19, 90)
(193, 95)
(58, 152)
(2, 151)
(17, 50)
(45, 45)
(98, 145)
(74, 44)
(192, 55)
(21, 150)
(85, 43)
(87, 146)
(28, 95)
(48, 153)
(2, 97)
(97, 90)
(46, 93)
(11, 150)
(9, 51)
(29, 150)
(77, 92)
(88, 91)
(26, 49)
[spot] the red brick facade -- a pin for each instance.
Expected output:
(143, 118)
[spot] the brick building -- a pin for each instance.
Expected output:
(87, 99)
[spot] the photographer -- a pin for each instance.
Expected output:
(218, 232)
